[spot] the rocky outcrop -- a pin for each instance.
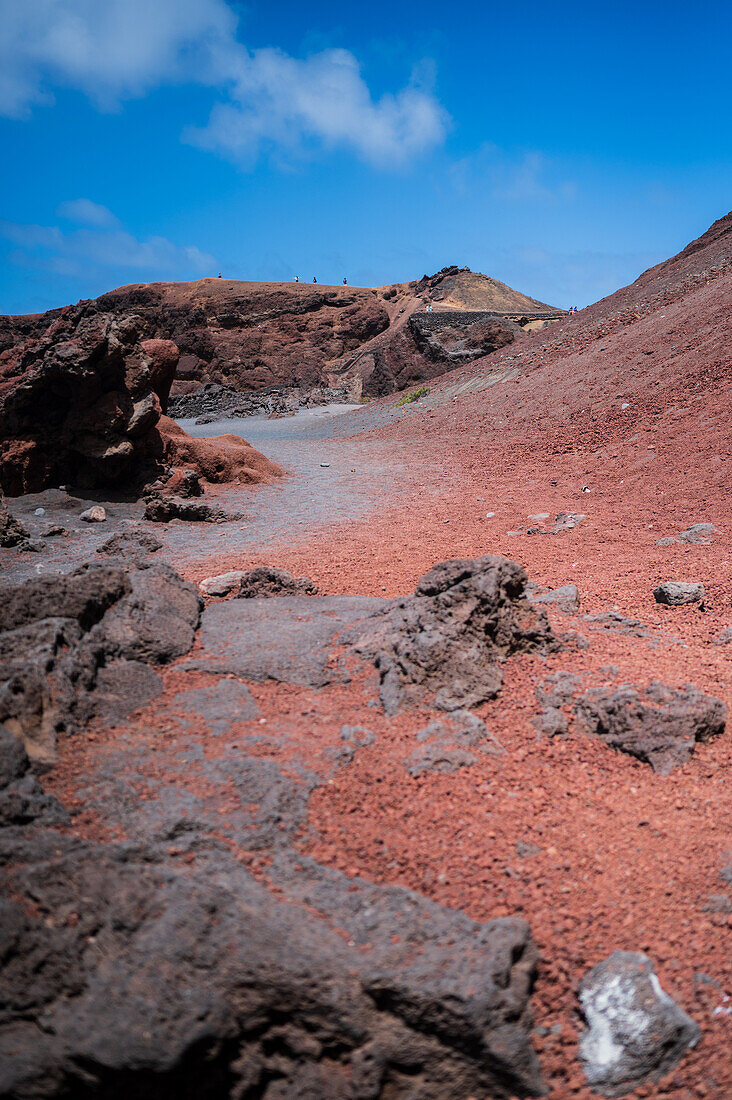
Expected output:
(660, 725)
(81, 402)
(12, 531)
(465, 617)
(79, 399)
(71, 644)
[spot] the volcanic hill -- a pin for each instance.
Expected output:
(412, 780)
(250, 336)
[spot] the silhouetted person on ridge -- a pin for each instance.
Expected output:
(345, 281)
(314, 279)
(219, 274)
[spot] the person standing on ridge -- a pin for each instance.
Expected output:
(314, 279)
(345, 281)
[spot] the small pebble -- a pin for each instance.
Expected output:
(489, 515)
(40, 512)
(325, 465)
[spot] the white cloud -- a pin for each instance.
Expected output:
(280, 102)
(108, 49)
(86, 212)
(271, 102)
(103, 247)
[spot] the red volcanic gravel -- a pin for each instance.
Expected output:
(594, 848)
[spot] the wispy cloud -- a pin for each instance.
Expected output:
(97, 248)
(270, 102)
(86, 212)
(526, 176)
(108, 49)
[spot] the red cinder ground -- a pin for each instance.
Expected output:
(610, 855)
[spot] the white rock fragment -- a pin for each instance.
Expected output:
(635, 1031)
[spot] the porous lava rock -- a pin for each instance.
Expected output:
(12, 531)
(78, 398)
(132, 967)
(660, 725)
(266, 581)
(60, 635)
(161, 508)
(22, 799)
(635, 1031)
(81, 400)
(566, 598)
(465, 617)
(135, 543)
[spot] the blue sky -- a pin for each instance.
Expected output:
(562, 148)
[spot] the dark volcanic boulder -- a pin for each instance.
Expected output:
(267, 580)
(161, 508)
(78, 399)
(465, 617)
(57, 634)
(134, 974)
(660, 725)
(81, 402)
(12, 531)
(22, 799)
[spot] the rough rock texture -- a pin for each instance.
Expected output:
(161, 508)
(635, 1032)
(566, 597)
(22, 799)
(78, 398)
(12, 531)
(210, 401)
(699, 532)
(660, 725)
(130, 543)
(465, 616)
(170, 980)
(445, 746)
(222, 584)
(266, 580)
(427, 346)
(676, 593)
(63, 637)
(81, 398)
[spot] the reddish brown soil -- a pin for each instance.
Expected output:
(622, 858)
(219, 459)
